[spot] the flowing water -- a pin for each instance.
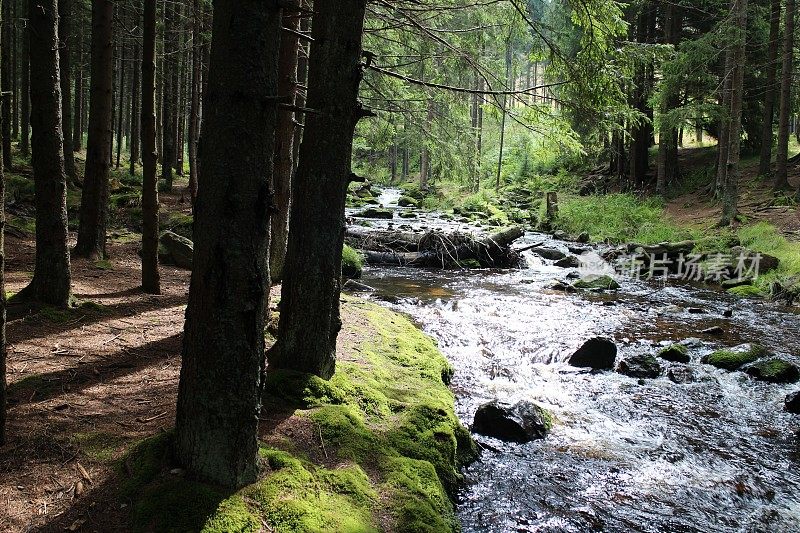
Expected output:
(715, 454)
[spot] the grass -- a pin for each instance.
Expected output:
(391, 436)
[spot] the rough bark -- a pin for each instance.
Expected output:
(194, 111)
(731, 198)
(6, 73)
(284, 140)
(767, 136)
(310, 320)
(3, 353)
(94, 202)
(151, 282)
(51, 277)
(121, 100)
(724, 141)
(787, 70)
(223, 348)
(77, 111)
(25, 92)
(65, 63)
(169, 124)
(668, 135)
(135, 130)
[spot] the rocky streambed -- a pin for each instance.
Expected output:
(684, 430)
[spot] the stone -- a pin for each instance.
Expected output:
(640, 366)
(792, 403)
(522, 422)
(598, 353)
(597, 282)
(375, 212)
(736, 357)
(676, 353)
(407, 201)
(568, 262)
(175, 250)
(552, 254)
(774, 370)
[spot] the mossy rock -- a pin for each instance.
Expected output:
(408, 215)
(352, 263)
(774, 370)
(374, 212)
(736, 357)
(595, 282)
(644, 366)
(407, 201)
(676, 353)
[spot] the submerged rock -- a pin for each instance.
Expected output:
(407, 201)
(374, 212)
(640, 366)
(522, 422)
(677, 353)
(792, 403)
(175, 250)
(568, 262)
(736, 357)
(596, 282)
(681, 375)
(598, 353)
(774, 370)
(548, 253)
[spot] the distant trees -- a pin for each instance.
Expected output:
(309, 322)
(223, 348)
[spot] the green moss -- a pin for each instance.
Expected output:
(99, 446)
(733, 359)
(407, 201)
(180, 223)
(385, 419)
(676, 353)
(352, 263)
(104, 265)
(747, 291)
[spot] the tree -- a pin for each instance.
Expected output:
(151, 282)
(223, 347)
(135, 125)
(94, 202)
(731, 194)
(25, 100)
(284, 141)
(767, 137)
(65, 68)
(310, 321)
(785, 110)
(194, 111)
(3, 352)
(6, 74)
(169, 111)
(51, 276)
(668, 133)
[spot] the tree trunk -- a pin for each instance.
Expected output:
(94, 202)
(223, 347)
(65, 62)
(121, 100)
(284, 138)
(51, 277)
(3, 353)
(7, 74)
(168, 111)
(724, 141)
(302, 83)
(425, 156)
(504, 112)
(310, 321)
(787, 70)
(135, 94)
(25, 93)
(767, 136)
(194, 112)
(77, 114)
(668, 135)
(731, 198)
(151, 282)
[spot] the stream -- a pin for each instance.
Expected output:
(714, 454)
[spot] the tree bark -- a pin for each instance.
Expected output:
(77, 112)
(284, 139)
(135, 130)
(310, 322)
(168, 111)
(787, 70)
(731, 198)
(194, 111)
(121, 100)
(3, 352)
(94, 202)
(223, 348)
(7, 74)
(51, 277)
(767, 136)
(25, 93)
(668, 135)
(151, 281)
(64, 58)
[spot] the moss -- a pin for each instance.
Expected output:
(104, 265)
(407, 201)
(747, 291)
(352, 263)
(676, 353)
(385, 420)
(180, 223)
(99, 446)
(774, 370)
(733, 359)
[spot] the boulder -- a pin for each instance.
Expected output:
(677, 353)
(583, 238)
(597, 283)
(681, 375)
(407, 201)
(774, 370)
(792, 403)
(640, 366)
(552, 254)
(522, 422)
(598, 353)
(375, 212)
(568, 262)
(175, 250)
(736, 357)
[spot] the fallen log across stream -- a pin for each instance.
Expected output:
(437, 249)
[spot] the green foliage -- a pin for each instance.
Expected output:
(352, 262)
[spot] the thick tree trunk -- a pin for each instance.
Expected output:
(194, 111)
(787, 70)
(51, 277)
(25, 92)
(223, 347)
(94, 202)
(731, 198)
(284, 139)
(3, 353)
(767, 136)
(151, 282)
(302, 83)
(310, 322)
(168, 111)
(65, 63)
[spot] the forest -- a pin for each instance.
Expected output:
(405, 266)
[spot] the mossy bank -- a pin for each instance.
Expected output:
(377, 448)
